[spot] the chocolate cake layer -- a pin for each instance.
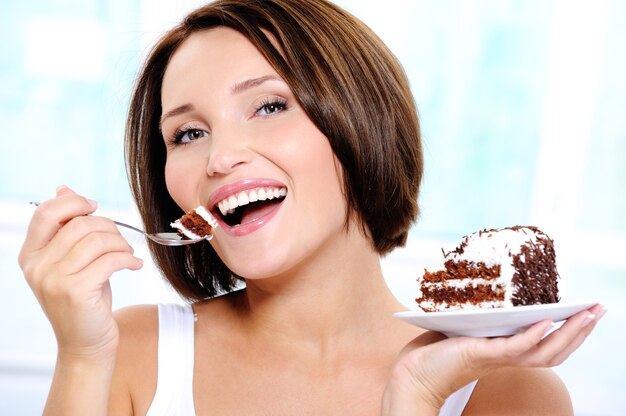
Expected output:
(479, 294)
(193, 222)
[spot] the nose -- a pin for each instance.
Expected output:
(227, 153)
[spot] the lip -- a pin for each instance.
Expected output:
(234, 188)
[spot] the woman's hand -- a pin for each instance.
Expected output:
(432, 367)
(67, 259)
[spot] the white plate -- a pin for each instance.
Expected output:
(491, 322)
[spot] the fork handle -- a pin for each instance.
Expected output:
(121, 224)
(130, 227)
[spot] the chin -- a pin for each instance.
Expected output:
(257, 273)
(263, 268)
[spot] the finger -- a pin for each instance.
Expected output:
(496, 352)
(90, 248)
(569, 349)
(528, 340)
(581, 329)
(64, 190)
(103, 267)
(74, 231)
(92, 280)
(554, 343)
(50, 258)
(560, 338)
(50, 216)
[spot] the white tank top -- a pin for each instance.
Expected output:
(174, 392)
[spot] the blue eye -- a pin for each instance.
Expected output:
(184, 136)
(270, 107)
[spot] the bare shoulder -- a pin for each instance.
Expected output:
(142, 318)
(134, 379)
(519, 391)
(139, 329)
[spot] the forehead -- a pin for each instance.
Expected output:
(218, 55)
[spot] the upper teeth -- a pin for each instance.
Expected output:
(228, 205)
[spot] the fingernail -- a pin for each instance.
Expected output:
(589, 319)
(601, 313)
(93, 203)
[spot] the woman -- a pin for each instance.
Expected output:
(243, 97)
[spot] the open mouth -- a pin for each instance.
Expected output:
(250, 205)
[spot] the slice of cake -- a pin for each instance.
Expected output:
(197, 223)
(493, 269)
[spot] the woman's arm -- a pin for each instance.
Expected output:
(67, 259)
(80, 386)
(520, 391)
(135, 377)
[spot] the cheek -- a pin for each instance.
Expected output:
(317, 157)
(180, 182)
(304, 149)
(312, 161)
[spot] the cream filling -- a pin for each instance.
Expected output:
(228, 205)
(207, 216)
(461, 283)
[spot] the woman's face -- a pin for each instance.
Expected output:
(239, 144)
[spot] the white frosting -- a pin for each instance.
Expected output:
(206, 215)
(493, 247)
(496, 248)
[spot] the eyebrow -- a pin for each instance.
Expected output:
(185, 108)
(253, 82)
(235, 89)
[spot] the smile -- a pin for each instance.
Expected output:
(230, 204)
(249, 207)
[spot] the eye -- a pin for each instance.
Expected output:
(271, 106)
(188, 135)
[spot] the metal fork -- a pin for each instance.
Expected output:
(166, 239)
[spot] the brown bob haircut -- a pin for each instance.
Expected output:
(348, 83)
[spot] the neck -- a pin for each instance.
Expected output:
(341, 295)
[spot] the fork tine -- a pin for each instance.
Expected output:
(172, 242)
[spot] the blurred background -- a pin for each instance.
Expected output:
(522, 105)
